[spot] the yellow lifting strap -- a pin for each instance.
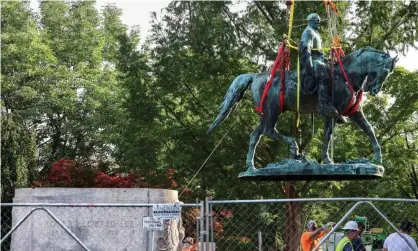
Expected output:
(322, 49)
(289, 35)
(292, 8)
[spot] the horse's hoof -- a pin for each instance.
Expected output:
(301, 157)
(251, 169)
(377, 161)
(294, 155)
(328, 161)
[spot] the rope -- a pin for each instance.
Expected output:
(220, 141)
(332, 14)
(283, 76)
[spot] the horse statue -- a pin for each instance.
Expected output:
(367, 69)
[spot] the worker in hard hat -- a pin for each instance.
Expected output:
(351, 232)
(358, 243)
(311, 237)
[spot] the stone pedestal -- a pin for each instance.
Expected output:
(99, 228)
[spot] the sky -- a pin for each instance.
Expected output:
(137, 12)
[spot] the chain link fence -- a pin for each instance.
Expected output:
(279, 224)
(62, 226)
(231, 225)
(6, 226)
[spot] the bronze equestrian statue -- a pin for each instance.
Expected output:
(367, 69)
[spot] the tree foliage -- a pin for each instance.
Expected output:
(78, 84)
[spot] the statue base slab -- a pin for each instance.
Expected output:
(298, 170)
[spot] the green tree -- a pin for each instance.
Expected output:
(18, 153)
(195, 56)
(139, 143)
(388, 25)
(25, 59)
(83, 88)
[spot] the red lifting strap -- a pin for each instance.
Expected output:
(282, 61)
(352, 106)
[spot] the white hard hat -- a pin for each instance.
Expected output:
(310, 223)
(351, 225)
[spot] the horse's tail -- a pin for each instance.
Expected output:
(232, 97)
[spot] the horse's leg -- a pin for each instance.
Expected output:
(361, 121)
(254, 139)
(270, 130)
(328, 128)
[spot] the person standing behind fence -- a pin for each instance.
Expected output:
(345, 243)
(395, 242)
(189, 245)
(358, 243)
(311, 237)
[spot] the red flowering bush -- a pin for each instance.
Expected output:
(170, 173)
(61, 172)
(244, 239)
(104, 180)
(66, 173)
(224, 213)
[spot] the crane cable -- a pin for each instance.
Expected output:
(220, 141)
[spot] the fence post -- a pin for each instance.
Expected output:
(260, 241)
(202, 227)
(211, 225)
(207, 223)
(197, 222)
(152, 242)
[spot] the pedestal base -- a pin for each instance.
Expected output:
(296, 170)
(99, 228)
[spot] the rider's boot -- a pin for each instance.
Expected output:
(325, 106)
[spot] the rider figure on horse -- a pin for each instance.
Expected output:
(315, 68)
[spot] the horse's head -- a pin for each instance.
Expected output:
(376, 65)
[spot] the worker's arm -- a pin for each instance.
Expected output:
(323, 229)
(385, 249)
(315, 233)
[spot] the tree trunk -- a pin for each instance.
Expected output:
(292, 230)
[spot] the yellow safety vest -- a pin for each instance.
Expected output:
(342, 243)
